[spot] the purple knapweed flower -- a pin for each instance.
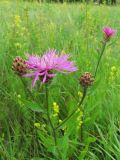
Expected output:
(109, 32)
(43, 67)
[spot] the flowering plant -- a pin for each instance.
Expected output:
(44, 68)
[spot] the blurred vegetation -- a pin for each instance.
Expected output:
(108, 2)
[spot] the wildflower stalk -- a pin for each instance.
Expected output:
(84, 90)
(101, 54)
(48, 115)
(84, 94)
(50, 121)
(83, 97)
(74, 111)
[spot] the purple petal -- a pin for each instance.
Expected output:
(28, 75)
(35, 79)
(44, 79)
(48, 63)
(51, 75)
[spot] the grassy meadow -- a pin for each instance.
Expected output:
(76, 29)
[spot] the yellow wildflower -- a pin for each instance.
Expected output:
(80, 94)
(55, 115)
(17, 20)
(63, 52)
(88, 63)
(17, 45)
(55, 108)
(60, 121)
(19, 96)
(113, 73)
(37, 125)
(113, 69)
(79, 118)
(78, 110)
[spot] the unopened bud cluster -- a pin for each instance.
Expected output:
(86, 79)
(19, 66)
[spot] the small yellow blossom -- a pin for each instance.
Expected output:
(17, 45)
(63, 52)
(37, 125)
(78, 110)
(111, 78)
(54, 103)
(55, 115)
(55, 108)
(113, 74)
(79, 118)
(60, 121)
(17, 20)
(113, 69)
(19, 100)
(80, 94)
(64, 128)
(40, 126)
(19, 96)
(88, 63)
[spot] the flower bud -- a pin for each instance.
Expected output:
(86, 79)
(108, 33)
(19, 66)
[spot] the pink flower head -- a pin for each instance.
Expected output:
(109, 32)
(43, 67)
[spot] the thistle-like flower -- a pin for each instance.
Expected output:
(19, 66)
(108, 33)
(43, 67)
(86, 79)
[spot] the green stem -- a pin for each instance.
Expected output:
(81, 131)
(48, 115)
(101, 54)
(74, 111)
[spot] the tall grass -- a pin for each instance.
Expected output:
(70, 28)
